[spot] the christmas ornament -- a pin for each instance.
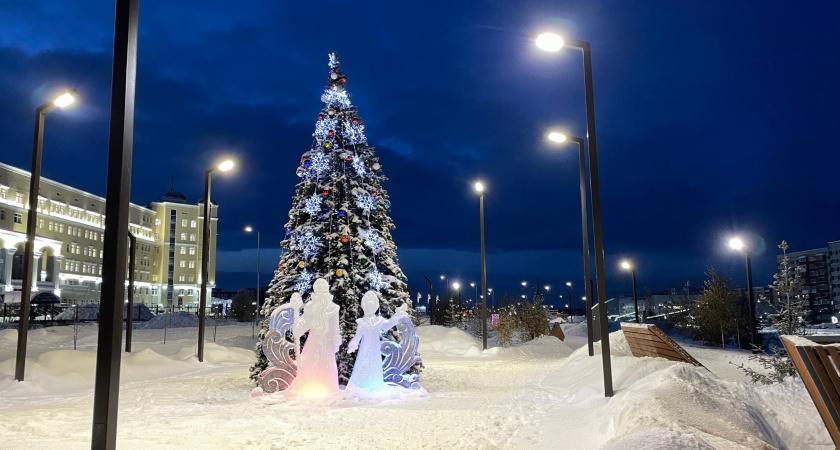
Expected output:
(307, 163)
(371, 238)
(366, 202)
(326, 192)
(339, 272)
(342, 213)
(345, 239)
(376, 166)
(333, 76)
(327, 144)
(302, 264)
(387, 203)
(301, 172)
(374, 193)
(349, 159)
(312, 204)
(320, 116)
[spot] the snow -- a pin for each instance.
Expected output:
(539, 394)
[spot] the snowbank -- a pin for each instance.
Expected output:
(90, 312)
(171, 320)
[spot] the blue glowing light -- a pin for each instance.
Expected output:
(353, 132)
(333, 97)
(359, 165)
(365, 201)
(371, 238)
(312, 204)
(319, 164)
(376, 279)
(304, 282)
(307, 244)
(323, 127)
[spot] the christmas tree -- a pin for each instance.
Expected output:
(338, 228)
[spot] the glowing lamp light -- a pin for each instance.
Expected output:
(225, 166)
(65, 99)
(625, 265)
(556, 137)
(479, 186)
(736, 243)
(549, 42)
(456, 285)
(249, 229)
(524, 283)
(569, 283)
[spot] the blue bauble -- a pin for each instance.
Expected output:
(307, 163)
(342, 213)
(387, 203)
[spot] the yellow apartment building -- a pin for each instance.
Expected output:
(70, 234)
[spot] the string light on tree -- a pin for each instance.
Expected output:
(365, 201)
(312, 205)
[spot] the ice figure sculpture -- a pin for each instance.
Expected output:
(317, 373)
(277, 348)
(368, 372)
(401, 355)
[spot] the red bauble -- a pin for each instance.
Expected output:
(345, 239)
(343, 79)
(331, 133)
(279, 266)
(374, 194)
(326, 192)
(349, 159)
(355, 120)
(320, 117)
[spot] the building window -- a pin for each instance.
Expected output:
(61, 228)
(183, 250)
(181, 279)
(192, 224)
(18, 218)
(192, 237)
(40, 223)
(183, 222)
(192, 278)
(2, 214)
(192, 264)
(183, 236)
(19, 197)
(192, 250)
(182, 264)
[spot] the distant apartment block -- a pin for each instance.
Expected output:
(70, 234)
(820, 272)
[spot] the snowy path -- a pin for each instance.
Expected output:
(542, 394)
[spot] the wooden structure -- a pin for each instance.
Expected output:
(557, 332)
(819, 367)
(649, 340)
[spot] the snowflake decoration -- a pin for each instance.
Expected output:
(312, 204)
(333, 60)
(354, 132)
(336, 98)
(371, 238)
(304, 282)
(365, 201)
(323, 127)
(320, 164)
(307, 244)
(359, 165)
(376, 280)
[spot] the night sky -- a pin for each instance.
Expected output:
(713, 118)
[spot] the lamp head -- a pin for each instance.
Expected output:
(226, 165)
(479, 186)
(736, 243)
(569, 283)
(549, 42)
(556, 137)
(524, 283)
(456, 285)
(249, 229)
(625, 265)
(66, 99)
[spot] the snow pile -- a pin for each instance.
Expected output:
(539, 394)
(171, 320)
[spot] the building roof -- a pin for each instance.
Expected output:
(174, 196)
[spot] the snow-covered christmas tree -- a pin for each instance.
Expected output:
(338, 228)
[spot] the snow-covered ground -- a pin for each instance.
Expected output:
(541, 394)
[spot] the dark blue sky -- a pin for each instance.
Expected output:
(712, 117)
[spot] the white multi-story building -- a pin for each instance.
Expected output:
(70, 233)
(820, 272)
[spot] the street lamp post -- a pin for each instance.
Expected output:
(479, 187)
(584, 221)
(572, 298)
(738, 244)
(553, 42)
(429, 302)
(129, 319)
(31, 224)
(257, 308)
(627, 266)
(205, 250)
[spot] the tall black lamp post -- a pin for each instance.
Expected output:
(31, 224)
(205, 252)
(257, 308)
(479, 187)
(584, 220)
(737, 244)
(552, 42)
(627, 266)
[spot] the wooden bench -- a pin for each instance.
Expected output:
(818, 366)
(649, 340)
(557, 332)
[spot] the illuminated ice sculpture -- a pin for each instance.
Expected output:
(368, 373)
(315, 371)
